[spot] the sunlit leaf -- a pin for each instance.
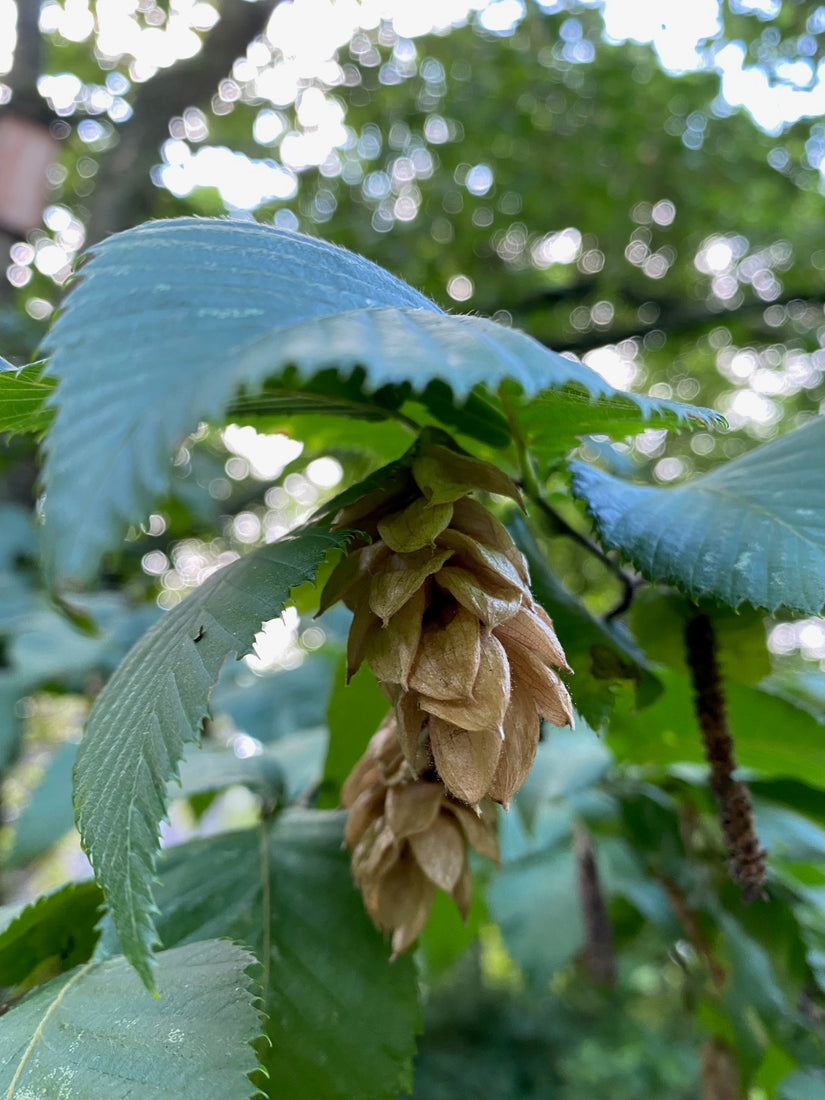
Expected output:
(23, 399)
(548, 421)
(772, 736)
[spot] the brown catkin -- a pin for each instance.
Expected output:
(746, 864)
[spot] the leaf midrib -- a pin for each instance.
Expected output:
(38, 1031)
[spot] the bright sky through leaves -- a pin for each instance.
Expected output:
(309, 32)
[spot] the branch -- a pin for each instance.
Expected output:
(27, 64)
(25, 69)
(673, 318)
(125, 193)
(599, 958)
(559, 525)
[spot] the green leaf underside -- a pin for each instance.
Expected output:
(154, 704)
(548, 421)
(23, 397)
(341, 1016)
(95, 1033)
(170, 319)
(751, 530)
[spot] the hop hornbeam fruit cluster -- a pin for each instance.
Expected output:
(407, 836)
(443, 616)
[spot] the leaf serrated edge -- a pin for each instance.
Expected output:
(693, 592)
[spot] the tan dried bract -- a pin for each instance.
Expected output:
(407, 836)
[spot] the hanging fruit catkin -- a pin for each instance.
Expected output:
(407, 836)
(443, 616)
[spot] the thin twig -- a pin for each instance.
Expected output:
(560, 526)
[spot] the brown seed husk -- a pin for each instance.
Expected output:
(340, 581)
(443, 475)
(492, 603)
(462, 893)
(375, 852)
(479, 828)
(473, 519)
(441, 851)
(532, 631)
(364, 810)
(448, 657)
(530, 674)
(484, 707)
(399, 902)
(522, 727)
(465, 761)
(417, 526)
(363, 627)
(408, 837)
(400, 578)
(391, 651)
(412, 731)
(483, 561)
(444, 616)
(411, 807)
(388, 497)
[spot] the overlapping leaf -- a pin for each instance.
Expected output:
(23, 399)
(94, 1032)
(341, 1016)
(53, 934)
(170, 319)
(548, 421)
(154, 705)
(752, 529)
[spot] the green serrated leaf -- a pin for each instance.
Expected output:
(550, 423)
(52, 935)
(94, 1032)
(154, 704)
(752, 529)
(23, 399)
(170, 319)
(342, 1017)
